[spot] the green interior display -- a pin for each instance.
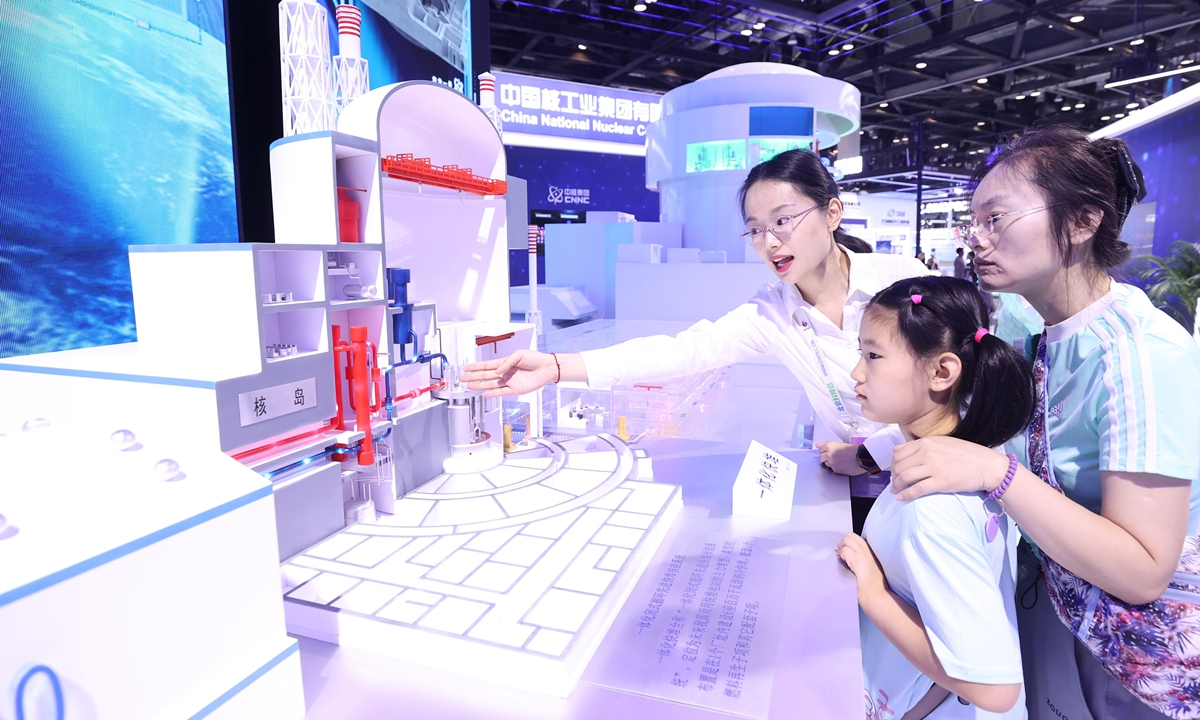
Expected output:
(763, 149)
(739, 154)
(716, 155)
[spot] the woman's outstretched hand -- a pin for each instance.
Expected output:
(522, 372)
(945, 465)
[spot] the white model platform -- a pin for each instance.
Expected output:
(138, 578)
(512, 575)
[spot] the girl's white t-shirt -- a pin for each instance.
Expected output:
(936, 557)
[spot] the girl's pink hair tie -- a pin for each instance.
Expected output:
(980, 333)
(916, 299)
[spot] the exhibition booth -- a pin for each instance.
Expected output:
(271, 493)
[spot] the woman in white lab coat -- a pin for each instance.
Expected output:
(809, 319)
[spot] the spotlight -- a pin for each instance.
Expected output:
(1019, 97)
(759, 25)
(1035, 93)
(833, 51)
(1110, 49)
(895, 140)
(922, 66)
(1077, 19)
(792, 40)
(1066, 108)
(982, 81)
(1185, 61)
(747, 32)
(1080, 106)
(640, 7)
(581, 46)
(1105, 118)
(1119, 115)
(1137, 41)
(980, 124)
(883, 105)
(1131, 106)
(847, 47)
(945, 145)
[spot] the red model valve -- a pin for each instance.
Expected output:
(362, 393)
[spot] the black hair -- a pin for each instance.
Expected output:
(802, 170)
(1077, 176)
(994, 397)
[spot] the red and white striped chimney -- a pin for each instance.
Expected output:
(349, 21)
(487, 90)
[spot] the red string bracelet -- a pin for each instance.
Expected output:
(556, 363)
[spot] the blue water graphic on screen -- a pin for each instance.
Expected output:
(115, 118)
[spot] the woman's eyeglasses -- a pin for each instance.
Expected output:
(987, 226)
(781, 228)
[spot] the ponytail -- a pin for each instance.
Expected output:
(1001, 400)
(994, 397)
(851, 243)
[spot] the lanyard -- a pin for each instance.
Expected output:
(810, 336)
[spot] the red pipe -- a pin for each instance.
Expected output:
(335, 423)
(376, 380)
(414, 394)
(261, 448)
(362, 393)
(338, 347)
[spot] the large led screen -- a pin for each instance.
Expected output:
(116, 131)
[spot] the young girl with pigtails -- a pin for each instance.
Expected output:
(937, 594)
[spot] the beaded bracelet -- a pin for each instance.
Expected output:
(1008, 478)
(559, 379)
(992, 527)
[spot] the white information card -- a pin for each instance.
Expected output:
(765, 484)
(702, 625)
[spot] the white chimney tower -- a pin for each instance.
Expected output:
(305, 66)
(487, 99)
(351, 77)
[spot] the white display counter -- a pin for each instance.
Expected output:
(817, 663)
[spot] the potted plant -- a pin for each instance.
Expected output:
(1173, 282)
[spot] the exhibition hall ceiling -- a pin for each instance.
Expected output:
(974, 70)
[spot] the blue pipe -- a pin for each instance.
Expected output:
(301, 463)
(59, 707)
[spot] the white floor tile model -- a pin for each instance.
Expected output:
(511, 575)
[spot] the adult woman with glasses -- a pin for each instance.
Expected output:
(809, 319)
(1113, 485)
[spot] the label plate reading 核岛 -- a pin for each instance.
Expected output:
(269, 403)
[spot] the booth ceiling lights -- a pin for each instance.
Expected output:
(747, 32)
(1155, 76)
(927, 64)
(640, 7)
